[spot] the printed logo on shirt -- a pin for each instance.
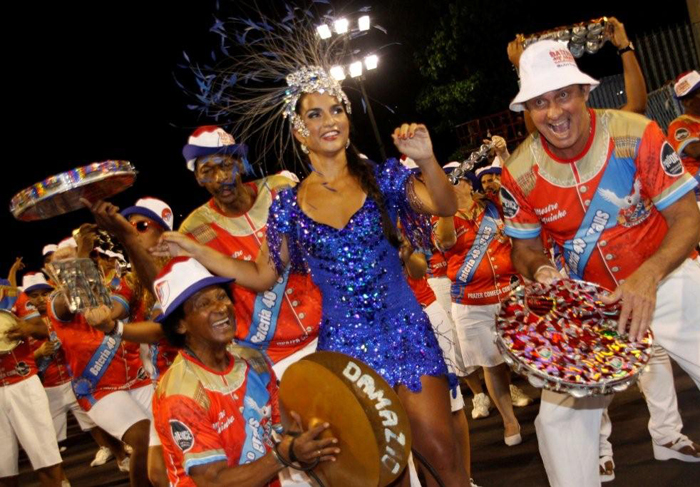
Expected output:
(22, 368)
(182, 435)
(681, 134)
(510, 206)
(670, 161)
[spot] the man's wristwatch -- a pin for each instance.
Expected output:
(630, 47)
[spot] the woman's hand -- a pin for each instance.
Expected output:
(175, 244)
(414, 141)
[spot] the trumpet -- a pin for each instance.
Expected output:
(584, 37)
(468, 164)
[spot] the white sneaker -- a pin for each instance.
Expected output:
(482, 404)
(102, 456)
(124, 465)
(472, 484)
(519, 398)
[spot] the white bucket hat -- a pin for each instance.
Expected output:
(33, 281)
(180, 279)
(49, 249)
(547, 66)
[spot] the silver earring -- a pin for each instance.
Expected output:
(347, 144)
(304, 149)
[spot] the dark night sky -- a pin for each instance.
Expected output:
(90, 81)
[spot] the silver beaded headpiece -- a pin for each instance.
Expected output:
(246, 78)
(310, 79)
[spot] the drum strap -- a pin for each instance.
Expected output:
(98, 364)
(602, 213)
(486, 233)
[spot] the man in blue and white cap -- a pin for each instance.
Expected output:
(618, 169)
(283, 321)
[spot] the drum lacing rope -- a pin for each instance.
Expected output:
(304, 467)
(428, 467)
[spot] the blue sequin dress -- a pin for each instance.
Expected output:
(369, 311)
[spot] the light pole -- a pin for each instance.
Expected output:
(341, 26)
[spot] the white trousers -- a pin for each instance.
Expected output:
(25, 416)
(568, 429)
(441, 287)
(444, 331)
(282, 365)
(657, 385)
(61, 400)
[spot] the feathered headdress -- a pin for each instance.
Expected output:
(266, 65)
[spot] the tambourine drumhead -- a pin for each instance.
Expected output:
(562, 338)
(364, 413)
(8, 321)
(61, 193)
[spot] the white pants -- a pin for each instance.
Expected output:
(476, 326)
(61, 400)
(24, 415)
(441, 287)
(568, 429)
(657, 385)
(282, 365)
(117, 412)
(444, 332)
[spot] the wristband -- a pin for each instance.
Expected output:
(629, 47)
(118, 329)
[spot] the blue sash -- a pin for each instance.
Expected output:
(256, 407)
(486, 233)
(266, 312)
(84, 385)
(618, 178)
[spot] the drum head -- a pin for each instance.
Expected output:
(8, 321)
(364, 413)
(61, 193)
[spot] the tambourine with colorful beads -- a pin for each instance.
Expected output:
(561, 337)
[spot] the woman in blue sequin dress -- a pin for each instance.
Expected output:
(338, 224)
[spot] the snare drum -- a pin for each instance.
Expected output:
(61, 193)
(562, 338)
(8, 321)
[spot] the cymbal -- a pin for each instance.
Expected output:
(365, 414)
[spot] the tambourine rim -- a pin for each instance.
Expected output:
(605, 386)
(16, 342)
(18, 209)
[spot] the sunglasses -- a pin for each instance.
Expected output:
(141, 226)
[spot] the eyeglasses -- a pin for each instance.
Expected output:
(141, 226)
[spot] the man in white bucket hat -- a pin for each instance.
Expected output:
(611, 192)
(216, 407)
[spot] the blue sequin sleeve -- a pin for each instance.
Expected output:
(393, 178)
(282, 222)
